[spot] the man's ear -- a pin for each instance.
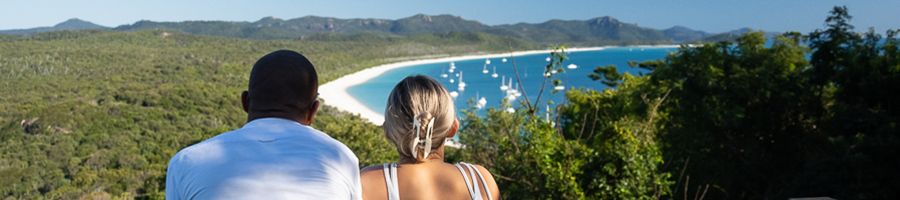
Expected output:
(453, 129)
(311, 114)
(245, 101)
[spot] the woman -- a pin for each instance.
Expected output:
(419, 117)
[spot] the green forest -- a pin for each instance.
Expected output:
(98, 114)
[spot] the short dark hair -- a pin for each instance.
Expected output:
(282, 81)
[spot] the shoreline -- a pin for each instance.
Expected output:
(334, 93)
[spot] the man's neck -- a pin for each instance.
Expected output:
(255, 116)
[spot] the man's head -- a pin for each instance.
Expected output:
(282, 84)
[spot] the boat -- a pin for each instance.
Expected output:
(481, 103)
(444, 75)
(504, 60)
(462, 85)
(516, 90)
(572, 66)
(484, 70)
(454, 94)
(494, 75)
(487, 61)
(559, 87)
(503, 86)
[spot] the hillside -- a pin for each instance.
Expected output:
(97, 114)
(597, 31)
(684, 34)
(591, 32)
(68, 25)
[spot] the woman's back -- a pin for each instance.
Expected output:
(428, 180)
(418, 119)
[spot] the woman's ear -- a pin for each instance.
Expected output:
(453, 129)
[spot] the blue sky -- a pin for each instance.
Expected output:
(706, 15)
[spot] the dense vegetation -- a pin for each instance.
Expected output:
(68, 25)
(597, 31)
(97, 114)
(809, 115)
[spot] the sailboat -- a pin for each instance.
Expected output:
(462, 85)
(484, 70)
(503, 86)
(481, 102)
(547, 113)
(559, 87)
(444, 75)
(516, 91)
(512, 93)
(494, 75)
(504, 60)
(487, 61)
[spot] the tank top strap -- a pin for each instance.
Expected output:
(484, 183)
(469, 186)
(390, 180)
(477, 193)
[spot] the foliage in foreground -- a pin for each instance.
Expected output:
(604, 146)
(754, 121)
(742, 120)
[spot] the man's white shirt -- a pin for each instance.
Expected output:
(269, 158)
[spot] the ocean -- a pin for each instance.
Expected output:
(373, 93)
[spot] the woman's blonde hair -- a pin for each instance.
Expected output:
(418, 117)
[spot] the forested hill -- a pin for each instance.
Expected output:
(68, 25)
(97, 114)
(597, 31)
(601, 30)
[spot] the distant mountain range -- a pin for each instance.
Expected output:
(71, 24)
(600, 30)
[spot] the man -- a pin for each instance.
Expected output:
(276, 155)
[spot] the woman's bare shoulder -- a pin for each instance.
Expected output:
(489, 180)
(372, 179)
(374, 171)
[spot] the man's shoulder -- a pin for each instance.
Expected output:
(332, 143)
(201, 149)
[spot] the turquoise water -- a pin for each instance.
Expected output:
(374, 92)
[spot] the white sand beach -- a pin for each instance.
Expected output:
(335, 93)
